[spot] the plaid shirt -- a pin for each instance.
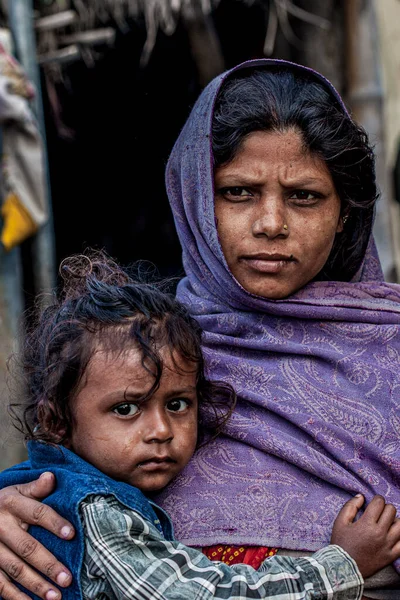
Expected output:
(127, 558)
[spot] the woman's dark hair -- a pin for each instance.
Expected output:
(279, 99)
(100, 304)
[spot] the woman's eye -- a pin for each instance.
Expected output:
(236, 192)
(178, 405)
(126, 410)
(304, 195)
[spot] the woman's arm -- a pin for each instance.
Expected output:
(19, 552)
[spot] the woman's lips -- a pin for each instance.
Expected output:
(265, 263)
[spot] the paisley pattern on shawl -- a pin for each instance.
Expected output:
(317, 376)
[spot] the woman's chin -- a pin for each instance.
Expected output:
(273, 290)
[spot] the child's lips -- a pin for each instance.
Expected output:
(156, 463)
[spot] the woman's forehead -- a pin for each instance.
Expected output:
(263, 152)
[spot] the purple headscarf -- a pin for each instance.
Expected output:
(317, 376)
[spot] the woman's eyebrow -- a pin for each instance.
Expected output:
(238, 179)
(311, 185)
(300, 180)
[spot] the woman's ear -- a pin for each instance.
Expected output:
(342, 222)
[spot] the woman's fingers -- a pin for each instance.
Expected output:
(15, 569)
(19, 550)
(18, 502)
(17, 507)
(8, 591)
(38, 488)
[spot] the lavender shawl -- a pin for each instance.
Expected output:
(317, 376)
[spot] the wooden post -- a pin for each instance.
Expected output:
(365, 96)
(204, 43)
(12, 450)
(321, 48)
(22, 28)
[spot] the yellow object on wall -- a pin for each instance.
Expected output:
(17, 222)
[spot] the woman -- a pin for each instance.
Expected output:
(282, 274)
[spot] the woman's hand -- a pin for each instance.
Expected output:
(373, 541)
(19, 507)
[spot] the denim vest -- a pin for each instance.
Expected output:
(76, 479)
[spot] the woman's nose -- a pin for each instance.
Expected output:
(157, 427)
(270, 219)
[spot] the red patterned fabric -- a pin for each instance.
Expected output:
(231, 555)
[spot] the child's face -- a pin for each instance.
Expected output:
(144, 444)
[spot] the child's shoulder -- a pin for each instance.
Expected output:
(109, 518)
(18, 474)
(112, 514)
(77, 480)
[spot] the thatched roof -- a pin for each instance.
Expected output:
(87, 24)
(71, 29)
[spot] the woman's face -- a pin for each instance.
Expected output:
(277, 213)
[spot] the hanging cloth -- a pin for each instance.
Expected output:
(24, 209)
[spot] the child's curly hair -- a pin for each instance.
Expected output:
(99, 303)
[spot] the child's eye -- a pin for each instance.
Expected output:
(178, 405)
(126, 410)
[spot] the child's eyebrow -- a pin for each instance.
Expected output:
(124, 394)
(182, 391)
(141, 396)
(136, 396)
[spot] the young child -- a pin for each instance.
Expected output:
(115, 398)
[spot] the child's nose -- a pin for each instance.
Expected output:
(158, 428)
